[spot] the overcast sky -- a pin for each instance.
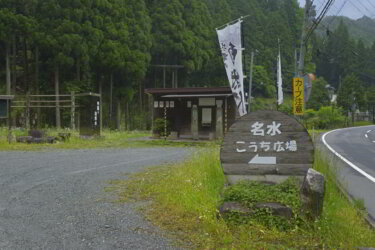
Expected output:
(353, 8)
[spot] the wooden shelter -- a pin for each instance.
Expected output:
(194, 113)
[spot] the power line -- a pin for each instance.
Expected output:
(364, 7)
(319, 19)
(355, 6)
(372, 5)
(355, 53)
(338, 12)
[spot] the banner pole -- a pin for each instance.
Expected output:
(233, 21)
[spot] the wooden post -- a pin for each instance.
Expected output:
(165, 121)
(72, 111)
(219, 120)
(250, 82)
(9, 102)
(194, 122)
(100, 104)
(57, 97)
(7, 66)
(151, 109)
(27, 115)
(173, 80)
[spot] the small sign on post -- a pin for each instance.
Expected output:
(298, 96)
(266, 146)
(90, 119)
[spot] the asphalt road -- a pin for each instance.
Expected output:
(56, 199)
(357, 171)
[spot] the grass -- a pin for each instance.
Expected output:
(185, 198)
(109, 139)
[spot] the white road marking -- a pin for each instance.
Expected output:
(368, 131)
(366, 135)
(371, 178)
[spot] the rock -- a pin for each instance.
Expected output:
(36, 133)
(173, 135)
(51, 139)
(24, 139)
(312, 193)
(275, 208)
(236, 207)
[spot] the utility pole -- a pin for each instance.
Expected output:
(250, 80)
(301, 64)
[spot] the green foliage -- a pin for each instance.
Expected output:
(362, 28)
(351, 95)
(319, 95)
(262, 83)
(161, 125)
(327, 117)
(250, 193)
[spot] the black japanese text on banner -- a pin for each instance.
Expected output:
(231, 49)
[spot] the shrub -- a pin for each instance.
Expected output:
(159, 127)
(325, 118)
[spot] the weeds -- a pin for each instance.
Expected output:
(109, 139)
(185, 198)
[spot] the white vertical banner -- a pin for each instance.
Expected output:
(280, 95)
(231, 49)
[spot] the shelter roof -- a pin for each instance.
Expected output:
(190, 91)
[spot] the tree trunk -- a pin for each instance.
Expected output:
(14, 71)
(110, 99)
(118, 114)
(26, 65)
(37, 86)
(127, 116)
(8, 68)
(78, 68)
(58, 121)
(140, 97)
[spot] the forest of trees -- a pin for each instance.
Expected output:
(112, 47)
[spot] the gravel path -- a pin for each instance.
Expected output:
(56, 199)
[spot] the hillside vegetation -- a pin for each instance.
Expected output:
(360, 29)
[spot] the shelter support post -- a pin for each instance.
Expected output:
(194, 122)
(219, 121)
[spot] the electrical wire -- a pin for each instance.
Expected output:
(318, 20)
(372, 5)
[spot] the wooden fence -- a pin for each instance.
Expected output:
(64, 101)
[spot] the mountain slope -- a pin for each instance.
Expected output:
(362, 28)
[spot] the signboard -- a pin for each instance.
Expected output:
(3, 108)
(89, 115)
(264, 144)
(298, 96)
